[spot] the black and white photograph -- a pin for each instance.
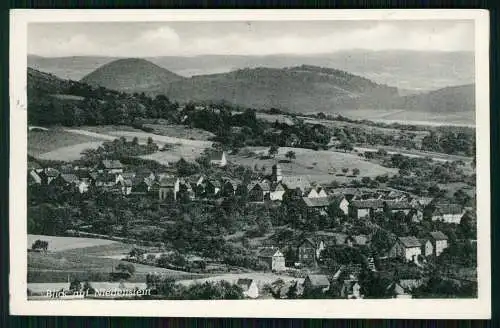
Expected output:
(248, 157)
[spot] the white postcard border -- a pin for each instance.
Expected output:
(479, 308)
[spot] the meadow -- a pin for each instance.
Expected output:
(316, 165)
(85, 258)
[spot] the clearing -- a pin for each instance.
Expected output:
(41, 142)
(57, 244)
(313, 164)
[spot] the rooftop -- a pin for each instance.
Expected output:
(410, 241)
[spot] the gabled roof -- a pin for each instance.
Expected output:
(308, 241)
(128, 175)
(294, 182)
(318, 280)
(358, 239)
(268, 252)
(448, 209)
(398, 205)
(438, 235)
(112, 164)
(214, 182)
(106, 177)
(69, 177)
(51, 172)
(32, 165)
(168, 182)
(244, 283)
(316, 202)
(410, 241)
(127, 182)
(216, 155)
(262, 184)
(234, 183)
(377, 203)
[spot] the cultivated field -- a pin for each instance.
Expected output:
(313, 164)
(57, 244)
(86, 258)
(42, 142)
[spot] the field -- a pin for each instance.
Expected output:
(180, 131)
(86, 258)
(261, 278)
(52, 144)
(313, 164)
(68, 144)
(57, 244)
(411, 117)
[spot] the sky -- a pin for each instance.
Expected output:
(139, 39)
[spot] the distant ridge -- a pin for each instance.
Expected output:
(130, 75)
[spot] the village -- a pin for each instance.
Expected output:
(352, 253)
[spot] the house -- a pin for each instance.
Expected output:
(110, 166)
(169, 187)
(211, 187)
(141, 185)
(34, 178)
(273, 257)
(310, 192)
(258, 191)
(415, 215)
(317, 281)
(218, 158)
(439, 241)
(427, 247)
(395, 206)
(351, 289)
(449, 213)
(407, 248)
(126, 186)
(356, 240)
(277, 192)
(83, 186)
(339, 201)
(306, 252)
(395, 290)
(66, 180)
(365, 208)
(229, 187)
(104, 180)
(249, 287)
(48, 175)
(296, 182)
(320, 205)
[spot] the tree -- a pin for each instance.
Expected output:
(135, 141)
(346, 146)
(127, 269)
(40, 245)
(355, 171)
(75, 285)
(292, 291)
(290, 155)
(273, 151)
(345, 170)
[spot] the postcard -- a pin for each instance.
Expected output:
(250, 163)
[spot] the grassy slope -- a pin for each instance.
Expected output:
(40, 142)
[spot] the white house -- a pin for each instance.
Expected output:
(439, 242)
(218, 158)
(249, 286)
(407, 248)
(278, 192)
(449, 213)
(273, 257)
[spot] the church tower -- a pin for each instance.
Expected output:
(276, 174)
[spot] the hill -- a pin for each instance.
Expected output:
(130, 75)
(298, 89)
(445, 100)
